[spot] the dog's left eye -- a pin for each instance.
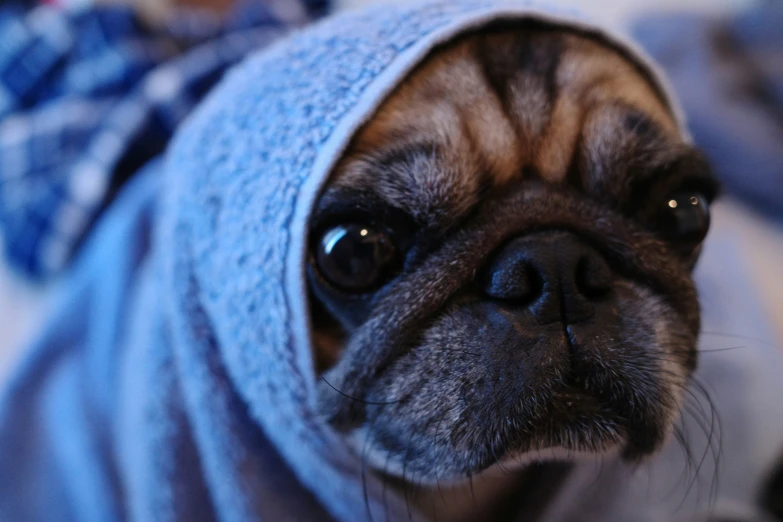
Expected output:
(354, 257)
(685, 219)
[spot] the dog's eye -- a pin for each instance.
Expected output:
(685, 219)
(353, 257)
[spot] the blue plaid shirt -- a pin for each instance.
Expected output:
(89, 96)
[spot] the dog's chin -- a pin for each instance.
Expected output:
(577, 428)
(578, 423)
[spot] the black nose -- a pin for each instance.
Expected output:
(556, 275)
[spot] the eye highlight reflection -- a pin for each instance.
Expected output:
(353, 257)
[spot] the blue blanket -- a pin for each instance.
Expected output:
(91, 93)
(175, 379)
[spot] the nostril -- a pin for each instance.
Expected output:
(549, 273)
(593, 276)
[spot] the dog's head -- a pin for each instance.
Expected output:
(501, 263)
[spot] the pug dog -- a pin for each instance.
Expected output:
(500, 265)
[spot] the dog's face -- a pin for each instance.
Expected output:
(500, 264)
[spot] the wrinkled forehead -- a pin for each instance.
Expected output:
(512, 102)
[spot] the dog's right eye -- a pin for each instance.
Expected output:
(354, 257)
(685, 219)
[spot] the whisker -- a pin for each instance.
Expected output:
(405, 491)
(718, 453)
(365, 448)
(385, 485)
(727, 349)
(712, 432)
(740, 336)
(437, 478)
(682, 435)
(358, 399)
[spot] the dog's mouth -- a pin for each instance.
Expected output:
(572, 400)
(579, 421)
(576, 424)
(593, 414)
(573, 403)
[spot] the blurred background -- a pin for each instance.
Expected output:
(725, 58)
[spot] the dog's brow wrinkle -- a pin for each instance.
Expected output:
(525, 102)
(496, 79)
(641, 125)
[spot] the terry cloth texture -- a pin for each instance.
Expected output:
(175, 379)
(89, 95)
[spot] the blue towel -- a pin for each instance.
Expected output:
(175, 379)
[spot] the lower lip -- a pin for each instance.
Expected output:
(553, 454)
(574, 398)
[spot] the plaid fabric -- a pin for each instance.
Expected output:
(89, 96)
